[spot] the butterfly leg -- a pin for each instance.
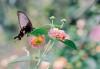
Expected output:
(18, 37)
(28, 35)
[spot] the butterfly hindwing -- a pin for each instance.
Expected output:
(25, 25)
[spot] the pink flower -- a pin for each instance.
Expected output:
(44, 65)
(13, 57)
(60, 63)
(17, 68)
(95, 34)
(80, 24)
(4, 62)
(56, 33)
(36, 41)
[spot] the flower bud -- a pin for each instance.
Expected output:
(63, 20)
(52, 17)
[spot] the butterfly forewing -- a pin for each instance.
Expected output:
(25, 25)
(23, 19)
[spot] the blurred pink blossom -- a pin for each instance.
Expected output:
(95, 34)
(81, 32)
(17, 68)
(80, 24)
(60, 63)
(57, 33)
(44, 65)
(4, 62)
(13, 57)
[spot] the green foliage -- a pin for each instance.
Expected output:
(69, 43)
(39, 31)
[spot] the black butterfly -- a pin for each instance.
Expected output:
(25, 25)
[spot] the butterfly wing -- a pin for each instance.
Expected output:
(25, 24)
(23, 19)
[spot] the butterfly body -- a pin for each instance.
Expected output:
(25, 25)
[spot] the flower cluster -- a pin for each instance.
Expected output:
(57, 33)
(36, 41)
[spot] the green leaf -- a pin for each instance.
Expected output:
(39, 31)
(21, 59)
(69, 43)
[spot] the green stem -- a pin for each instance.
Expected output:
(46, 47)
(39, 59)
(47, 25)
(49, 48)
(62, 25)
(52, 24)
(44, 53)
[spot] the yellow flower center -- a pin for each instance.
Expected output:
(38, 40)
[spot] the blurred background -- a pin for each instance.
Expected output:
(82, 26)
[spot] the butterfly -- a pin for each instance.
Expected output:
(25, 25)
